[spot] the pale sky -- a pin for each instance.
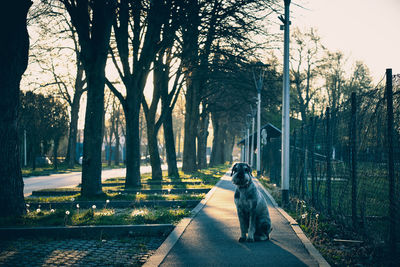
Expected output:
(366, 30)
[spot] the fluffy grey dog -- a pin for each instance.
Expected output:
(251, 206)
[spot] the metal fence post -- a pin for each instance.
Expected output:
(392, 199)
(313, 123)
(328, 162)
(293, 166)
(353, 154)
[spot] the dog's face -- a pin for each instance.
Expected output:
(241, 174)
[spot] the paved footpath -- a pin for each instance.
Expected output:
(211, 239)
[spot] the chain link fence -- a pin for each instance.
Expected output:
(346, 162)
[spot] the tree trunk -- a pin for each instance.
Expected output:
(75, 105)
(202, 141)
(94, 38)
(117, 142)
(93, 134)
(13, 62)
(132, 144)
(217, 153)
(179, 137)
(170, 146)
(73, 130)
(109, 148)
(156, 172)
(190, 58)
(230, 143)
(55, 152)
(191, 121)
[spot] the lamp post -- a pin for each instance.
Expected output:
(25, 160)
(245, 144)
(253, 115)
(248, 122)
(258, 75)
(285, 108)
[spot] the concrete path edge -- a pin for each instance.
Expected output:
(296, 228)
(157, 258)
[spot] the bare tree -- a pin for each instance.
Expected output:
(306, 60)
(137, 27)
(58, 38)
(13, 62)
(92, 21)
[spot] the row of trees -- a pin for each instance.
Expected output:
(204, 49)
(200, 47)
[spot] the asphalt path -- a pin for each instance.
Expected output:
(211, 238)
(72, 179)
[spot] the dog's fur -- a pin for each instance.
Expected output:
(251, 206)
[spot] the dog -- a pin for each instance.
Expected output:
(251, 206)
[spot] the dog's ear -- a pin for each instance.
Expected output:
(234, 169)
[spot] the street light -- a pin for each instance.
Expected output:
(253, 116)
(285, 108)
(248, 122)
(258, 75)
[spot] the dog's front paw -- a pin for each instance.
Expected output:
(242, 239)
(250, 240)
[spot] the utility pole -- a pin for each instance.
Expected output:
(252, 138)
(248, 144)
(285, 108)
(25, 158)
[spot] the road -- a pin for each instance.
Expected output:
(72, 179)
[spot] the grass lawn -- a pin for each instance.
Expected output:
(75, 217)
(107, 216)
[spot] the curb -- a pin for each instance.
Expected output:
(157, 258)
(86, 231)
(73, 191)
(112, 204)
(296, 228)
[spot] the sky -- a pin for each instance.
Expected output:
(366, 30)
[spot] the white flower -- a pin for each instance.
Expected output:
(77, 206)
(304, 206)
(27, 205)
(119, 193)
(137, 193)
(94, 207)
(316, 215)
(169, 190)
(52, 210)
(107, 201)
(72, 199)
(186, 191)
(38, 210)
(67, 212)
(303, 216)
